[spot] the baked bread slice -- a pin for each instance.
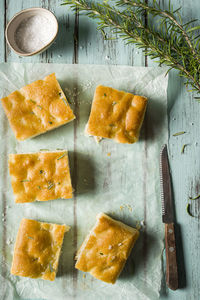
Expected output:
(40, 176)
(116, 115)
(37, 249)
(36, 108)
(106, 248)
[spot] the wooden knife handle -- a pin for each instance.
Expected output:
(171, 261)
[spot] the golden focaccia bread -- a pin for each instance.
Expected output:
(36, 108)
(40, 176)
(116, 115)
(105, 250)
(37, 249)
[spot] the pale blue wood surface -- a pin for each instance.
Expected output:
(183, 111)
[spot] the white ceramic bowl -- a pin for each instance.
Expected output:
(21, 16)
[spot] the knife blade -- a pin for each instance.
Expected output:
(168, 219)
(166, 190)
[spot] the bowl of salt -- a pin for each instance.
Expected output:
(31, 31)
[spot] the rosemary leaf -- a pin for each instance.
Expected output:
(51, 268)
(32, 101)
(50, 186)
(195, 198)
(179, 133)
(183, 148)
(62, 156)
(188, 210)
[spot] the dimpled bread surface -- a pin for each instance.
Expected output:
(40, 176)
(37, 249)
(116, 115)
(105, 250)
(36, 108)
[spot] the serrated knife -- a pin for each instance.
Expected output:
(168, 219)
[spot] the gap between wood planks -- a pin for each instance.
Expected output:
(4, 169)
(75, 173)
(145, 176)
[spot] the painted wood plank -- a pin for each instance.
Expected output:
(183, 112)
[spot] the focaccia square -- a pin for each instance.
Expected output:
(105, 250)
(37, 249)
(40, 176)
(36, 108)
(116, 115)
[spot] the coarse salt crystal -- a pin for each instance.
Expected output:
(34, 33)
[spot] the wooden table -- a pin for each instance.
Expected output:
(79, 42)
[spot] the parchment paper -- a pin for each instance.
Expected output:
(121, 180)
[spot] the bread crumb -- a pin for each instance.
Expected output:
(138, 225)
(108, 154)
(84, 275)
(127, 206)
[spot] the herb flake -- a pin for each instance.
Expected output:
(195, 198)
(179, 133)
(41, 171)
(25, 180)
(101, 253)
(183, 148)
(51, 268)
(62, 156)
(32, 101)
(50, 122)
(50, 186)
(188, 210)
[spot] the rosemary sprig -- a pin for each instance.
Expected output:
(164, 37)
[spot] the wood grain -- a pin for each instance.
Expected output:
(171, 261)
(183, 111)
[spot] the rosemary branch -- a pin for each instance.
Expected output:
(164, 37)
